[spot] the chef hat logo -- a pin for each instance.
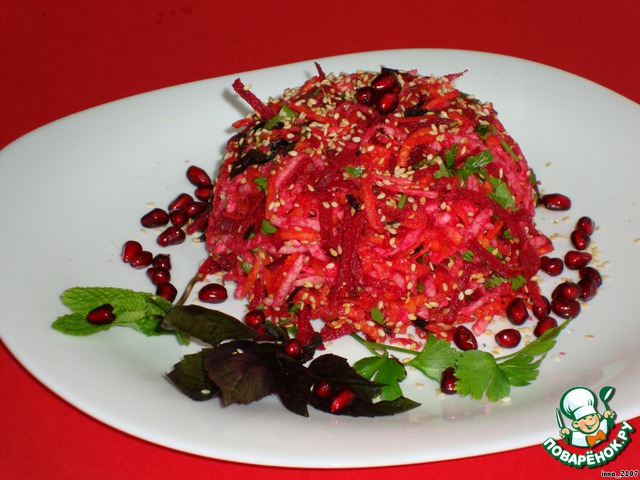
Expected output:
(578, 403)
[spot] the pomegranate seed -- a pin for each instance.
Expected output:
(162, 260)
(167, 291)
(588, 289)
(254, 318)
(180, 201)
(508, 338)
(342, 400)
(545, 324)
(592, 273)
(129, 250)
(193, 209)
(386, 81)
(178, 218)
(204, 193)
(171, 236)
(322, 389)
(387, 103)
(580, 239)
(155, 218)
(575, 260)
(448, 381)
(552, 266)
(464, 338)
(213, 293)
(566, 291)
(365, 96)
(141, 259)
(198, 176)
(517, 311)
(293, 349)
(565, 308)
(102, 315)
(542, 308)
(586, 225)
(556, 201)
(158, 275)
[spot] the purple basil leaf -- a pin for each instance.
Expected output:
(294, 385)
(337, 371)
(210, 326)
(244, 371)
(190, 378)
(362, 407)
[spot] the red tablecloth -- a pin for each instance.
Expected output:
(61, 57)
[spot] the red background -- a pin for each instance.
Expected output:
(59, 57)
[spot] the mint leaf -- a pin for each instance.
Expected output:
(435, 357)
(77, 325)
(84, 299)
(141, 311)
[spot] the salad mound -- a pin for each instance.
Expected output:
(389, 203)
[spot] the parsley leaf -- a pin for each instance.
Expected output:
(261, 182)
(402, 200)
(476, 371)
(267, 227)
(447, 165)
(285, 114)
(384, 370)
(355, 172)
(501, 193)
(474, 164)
(377, 316)
(484, 130)
(436, 356)
(494, 280)
(479, 373)
(517, 282)
(509, 150)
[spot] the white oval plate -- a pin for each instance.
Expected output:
(73, 192)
